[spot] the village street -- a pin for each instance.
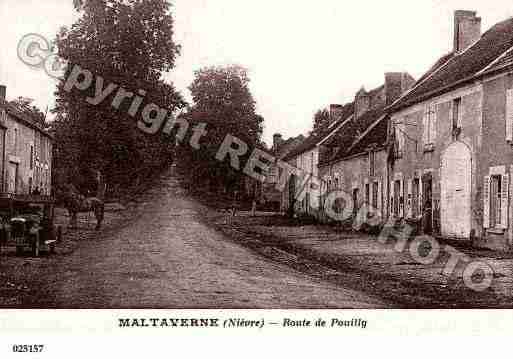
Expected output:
(167, 249)
(168, 258)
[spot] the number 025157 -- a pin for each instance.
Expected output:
(32, 348)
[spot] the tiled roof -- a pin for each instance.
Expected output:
(287, 146)
(339, 146)
(23, 117)
(312, 141)
(377, 136)
(501, 63)
(455, 69)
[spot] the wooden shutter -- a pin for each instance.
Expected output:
(425, 127)
(486, 202)
(432, 127)
(401, 137)
(421, 200)
(379, 198)
(401, 205)
(509, 115)
(409, 199)
(451, 113)
(392, 199)
(505, 202)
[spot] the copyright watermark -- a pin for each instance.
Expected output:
(36, 51)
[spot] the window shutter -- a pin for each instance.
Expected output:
(432, 137)
(486, 202)
(420, 197)
(401, 205)
(392, 199)
(409, 199)
(509, 115)
(379, 198)
(451, 113)
(505, 202)
(425, 127)
(403, 137)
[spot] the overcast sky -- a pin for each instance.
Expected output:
(302, 55)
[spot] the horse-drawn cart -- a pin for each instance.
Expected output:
(27, 221)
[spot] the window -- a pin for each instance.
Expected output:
(372, 163)
(15, 144)
(336, 183)
(456, 113)
(43, 149)
(31, 156)
(416, 198)
(429, 128)
(456, 118)
(496, 201)
(397, 194)
(367, 193)
(509, 116)
(375, 194)
(399, 140)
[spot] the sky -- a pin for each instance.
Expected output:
(301, 55)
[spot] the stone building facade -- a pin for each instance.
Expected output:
(271, 195)
(302, 196)
(355, 160)
(25, 152)
(452, 134)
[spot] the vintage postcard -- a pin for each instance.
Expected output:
(194, 168)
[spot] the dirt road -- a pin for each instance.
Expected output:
(167, 257)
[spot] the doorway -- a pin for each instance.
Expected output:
(355, 202)
(455, 201)
(292, 194)
(427, 203)
(12, 178)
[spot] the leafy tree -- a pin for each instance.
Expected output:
(222, 99)
(128, 43)
(322, 119)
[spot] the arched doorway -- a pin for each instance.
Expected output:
(456, 186)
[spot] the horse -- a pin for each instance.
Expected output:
(76, 203)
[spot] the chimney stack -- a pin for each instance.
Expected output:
(277, 141)
(467, 29)
(396, 83)
(335, 112)
(3, 91)
(362, 102)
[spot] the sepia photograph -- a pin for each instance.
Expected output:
(255, 155)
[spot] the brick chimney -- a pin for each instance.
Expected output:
(3, 91)
(362, 102)
(335, 111)
(277, 141)
(467, 29)
(396, 83)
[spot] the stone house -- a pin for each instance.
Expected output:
(302, 195)
(25, 152)
(355, 160)
(452, 136)
(271, 195)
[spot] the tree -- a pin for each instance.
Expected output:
(128, 43)
(322, 119)
(222, 99)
